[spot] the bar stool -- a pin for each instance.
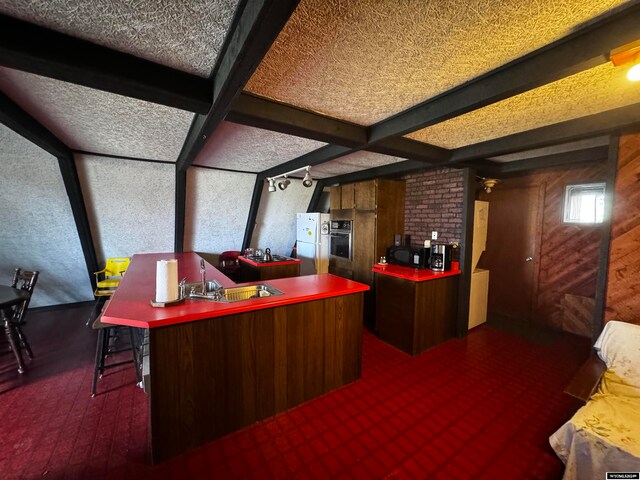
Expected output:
(106, 333)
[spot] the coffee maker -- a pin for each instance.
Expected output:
(441, 257)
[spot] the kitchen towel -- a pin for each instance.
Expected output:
(167, 280)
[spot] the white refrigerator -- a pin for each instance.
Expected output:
(312, 242)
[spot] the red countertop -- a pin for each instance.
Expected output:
(413, 274)
(130, 305)
(293, 261)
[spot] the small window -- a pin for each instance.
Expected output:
(584, 203)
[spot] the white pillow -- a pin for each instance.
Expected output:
(619, 348)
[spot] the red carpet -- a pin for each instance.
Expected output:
(481, 407)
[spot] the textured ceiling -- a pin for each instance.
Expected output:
(183, 35)
(96, 121)
(363, 61)
(353, 162)
(249, 149)
(553, 149)
(14, 145)
(592, 91)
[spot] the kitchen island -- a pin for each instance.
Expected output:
(416, 309)
(216, 367)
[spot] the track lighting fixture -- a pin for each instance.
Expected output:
(307, 181)
(283, 184)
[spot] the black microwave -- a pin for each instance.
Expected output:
(409, 256)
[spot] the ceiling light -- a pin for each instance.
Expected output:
(282, 185)
(634, 72)
(307, 181)
(628, 54)
(488, 183)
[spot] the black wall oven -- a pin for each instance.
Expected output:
(340, 238)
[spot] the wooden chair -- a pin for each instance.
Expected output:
(26, 281)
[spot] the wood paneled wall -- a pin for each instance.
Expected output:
(568, 256)
(623, 293)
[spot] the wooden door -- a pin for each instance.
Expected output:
(510, 255)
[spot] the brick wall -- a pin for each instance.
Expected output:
(433, 201)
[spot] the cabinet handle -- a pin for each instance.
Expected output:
(528, 259)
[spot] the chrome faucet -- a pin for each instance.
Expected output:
(203, 278)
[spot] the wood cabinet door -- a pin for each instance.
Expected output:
(390, 213)
(347, 195)
(335, 202)
(365, 195)
(364, 245)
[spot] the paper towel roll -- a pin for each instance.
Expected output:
(167, 280)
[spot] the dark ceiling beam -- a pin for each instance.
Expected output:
(411, 149)
(584, 127)
(258, 188)
(262, 113)
(28, 127)
(586, 155)
(315, 197)
(35, 49)
(24, 124)
(392, 170)
(267, 114)
(315, 157)
(255, 27)
(581, 50)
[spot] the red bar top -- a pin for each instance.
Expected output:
(130, 305)
(413, 274)
(293, 261)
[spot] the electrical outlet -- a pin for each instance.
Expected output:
(434, 235)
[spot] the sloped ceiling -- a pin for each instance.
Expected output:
(353, 162)
(96, 121)
(592, 91)
(238, 147)
(363, 61)
(187, 36)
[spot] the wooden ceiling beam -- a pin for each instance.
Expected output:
(255, 28)
(584, 127)
(581, 50)
(35, 49)
(585, 155)
(267, 114)
(392, 170)
(14, 117)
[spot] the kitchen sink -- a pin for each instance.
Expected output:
(236, 294)
(215, 293)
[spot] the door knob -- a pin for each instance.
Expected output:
(528, 259)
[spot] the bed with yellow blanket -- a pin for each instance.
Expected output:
(604, 435)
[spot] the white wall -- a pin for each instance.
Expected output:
(37, 227)
(217, 208)
(276, 220)
(130, 205)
